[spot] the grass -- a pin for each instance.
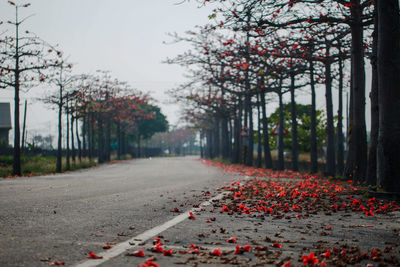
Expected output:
(39, 165)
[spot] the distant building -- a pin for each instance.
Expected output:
(5, 122)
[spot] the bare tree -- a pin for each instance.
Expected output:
(24, 57)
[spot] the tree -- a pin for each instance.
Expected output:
(388, 160)
(24, 58)
(156, 122)
(61, 78)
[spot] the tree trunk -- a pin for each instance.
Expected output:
(250, 148)
(281, 160)
(59, 141)
(259, 150)
(119, 140)
(372, 153)
(123, 143)
(295, 145)
(313, 126)
(78, 139)
(72, 139)
(209, 144)
(348, 170)
(267, 149)
(359, 128)
(238, 128)
(68, 165)
(107, 153)
(23, 130)
(230, 137)
(201, 145)
(17, 148)
(330, 130)
(225, 138)
(389, 95)
(92, 140)
(236, 149)
(139, 152)
(340, 139)
(216, 132)
(100, 134)
(84, 136)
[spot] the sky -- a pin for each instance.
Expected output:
(125, 37)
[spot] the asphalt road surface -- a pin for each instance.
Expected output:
(63, 217)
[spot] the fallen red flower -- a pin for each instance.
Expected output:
(106, 247)
(238, 250)
(191, 217)
(327, 254)
(193, 246)
(138, 253)
(157, 248)
(157, 241)
(216, 252)
(93, 256)
(310, 259)
(232, 240)
(246, 248)
(195, 251)
(168, 252)
(149, 264)
(225, 209)
(276, 245)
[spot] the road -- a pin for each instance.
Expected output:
(63, 217)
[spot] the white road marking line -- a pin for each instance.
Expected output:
(122, 247)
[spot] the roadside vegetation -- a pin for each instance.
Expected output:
(39, 165)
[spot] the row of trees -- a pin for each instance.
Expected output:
(258, 47)
(110, 114)
(106, 111)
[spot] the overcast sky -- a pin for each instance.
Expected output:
(123, 36)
